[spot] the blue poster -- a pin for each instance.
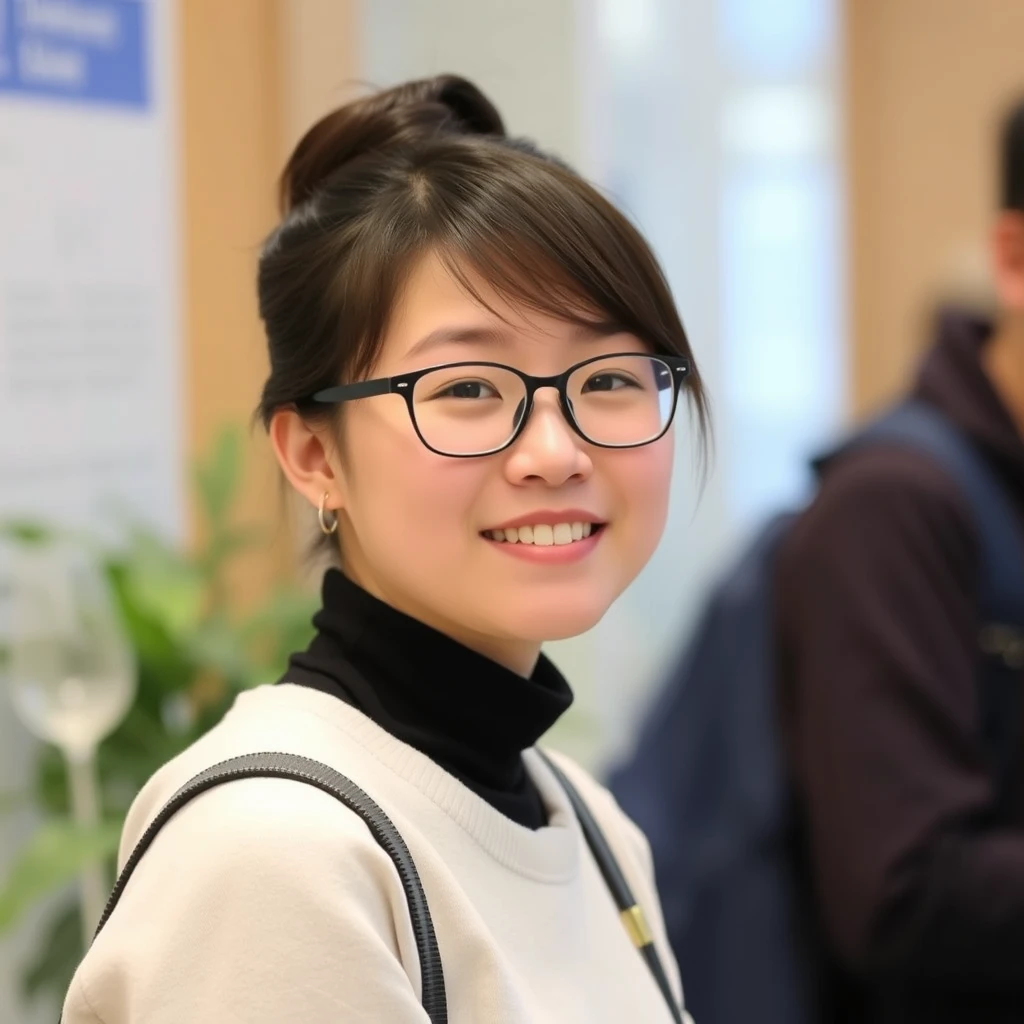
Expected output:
(83, 51)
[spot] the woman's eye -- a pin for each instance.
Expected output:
(468, 389)
(608, 382)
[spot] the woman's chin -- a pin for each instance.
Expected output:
(556, 622)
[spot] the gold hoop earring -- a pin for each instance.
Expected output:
(321, 515)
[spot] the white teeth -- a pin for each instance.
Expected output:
(542, 534)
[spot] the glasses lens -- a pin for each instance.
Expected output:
(468, 410)
(623, 400)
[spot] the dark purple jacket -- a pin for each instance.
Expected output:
(919, 907)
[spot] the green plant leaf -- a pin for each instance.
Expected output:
(27, 533)
(163, 666)
(225, 544)
(53, 856)
(193, 656)
(21, 531)
(165, 586)
(282, 625)
(286, 607)
(217, 477)
(49, 971)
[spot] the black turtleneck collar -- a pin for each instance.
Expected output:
(470, 715)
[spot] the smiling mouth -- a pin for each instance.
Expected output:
(543, 535)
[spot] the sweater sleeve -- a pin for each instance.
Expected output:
(882, 709)
(265, 901)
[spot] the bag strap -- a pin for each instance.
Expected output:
(1001, 640)
(629, 910)
(343, 789)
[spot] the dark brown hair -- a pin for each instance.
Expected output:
(427, 167)
(1011, 158)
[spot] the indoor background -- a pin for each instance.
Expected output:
(814, 175)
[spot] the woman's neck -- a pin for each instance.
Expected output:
(516, 654)
(466, 711)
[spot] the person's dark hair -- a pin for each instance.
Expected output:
(427, 167)
(1011, 162)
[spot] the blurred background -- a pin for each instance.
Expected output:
(814, 174)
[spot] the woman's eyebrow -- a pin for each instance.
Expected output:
(598, 329)
(461, 334)
(490, 334)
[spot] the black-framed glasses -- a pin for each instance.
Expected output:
(469, 409)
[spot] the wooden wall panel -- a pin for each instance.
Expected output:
(926, 81)
(254, 74)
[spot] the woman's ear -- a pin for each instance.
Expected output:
(309, 459)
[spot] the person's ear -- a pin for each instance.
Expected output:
(309, 459)
(1008, 260)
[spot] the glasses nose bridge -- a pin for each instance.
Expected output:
(559, 382)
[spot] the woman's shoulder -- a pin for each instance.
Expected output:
(276, 719)
(263, 871)
(259, 838)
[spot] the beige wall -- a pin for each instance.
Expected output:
(926, 81)
(255, 73)
(320, 60)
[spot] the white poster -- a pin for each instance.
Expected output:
(90, 339)
(89, 323)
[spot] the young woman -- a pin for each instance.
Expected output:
(475, 364)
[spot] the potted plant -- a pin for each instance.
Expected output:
(193, 653)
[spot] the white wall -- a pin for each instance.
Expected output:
(522, 53)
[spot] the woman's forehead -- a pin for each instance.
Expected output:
(442, 306)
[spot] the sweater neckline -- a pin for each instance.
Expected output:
(471, 715)
(549, 854)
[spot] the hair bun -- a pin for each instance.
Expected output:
(398, 116)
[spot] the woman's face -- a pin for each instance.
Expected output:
(414, 525)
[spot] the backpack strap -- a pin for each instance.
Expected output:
(629, 910)
(1001, 637)
(343, 789)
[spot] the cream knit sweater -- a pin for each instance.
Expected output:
(266, 901)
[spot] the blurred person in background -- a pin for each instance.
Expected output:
(912, 835)
(833, 780)
(475, 365)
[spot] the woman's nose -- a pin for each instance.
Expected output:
(548, 448)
